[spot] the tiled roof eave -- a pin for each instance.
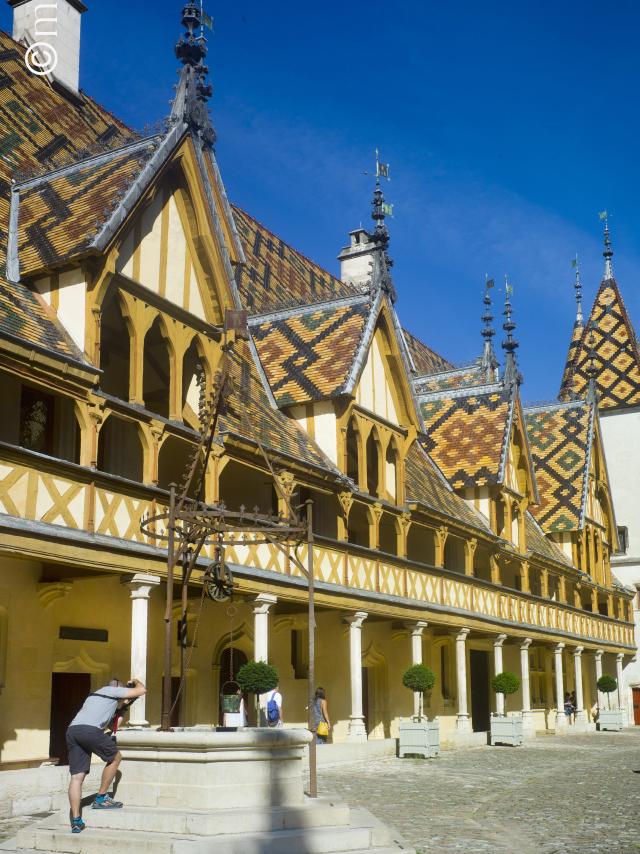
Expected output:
(473, 391)
(310, 308)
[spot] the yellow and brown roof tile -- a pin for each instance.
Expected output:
(466, 434)
(308, 355)
(616, 354)
(560, 439)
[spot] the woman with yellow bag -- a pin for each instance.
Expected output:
(321, 716)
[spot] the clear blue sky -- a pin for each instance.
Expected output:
(508, 127)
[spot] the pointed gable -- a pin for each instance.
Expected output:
(560, 441)
(617, 359)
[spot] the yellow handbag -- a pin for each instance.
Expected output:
(322, 729)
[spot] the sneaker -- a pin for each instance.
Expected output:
(77, 825)
(106, 803)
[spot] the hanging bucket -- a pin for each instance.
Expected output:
(230, 698)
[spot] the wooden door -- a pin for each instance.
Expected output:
(480, 701)
(365, 698)
(636, 706)
(68, 693)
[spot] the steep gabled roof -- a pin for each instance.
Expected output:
(276, 276)
(561, 437)
(307, 354)
(467, 433)
(39, 126)
(426, 360)
(467, 376)
(617, 358)
(60, 213)
(425, 485)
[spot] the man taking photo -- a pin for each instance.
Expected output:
(86, 735)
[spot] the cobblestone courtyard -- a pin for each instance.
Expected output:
(569, 795)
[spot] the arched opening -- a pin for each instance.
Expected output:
(482, 563)
(231, 661)
(391, 470)
(352, 452)
(174, 461)
(120, 449)
(421, 544)
(242, 485)
(191, 365)
(41, 422)
(454, 554)
(115, 352)
(157, 371)
(388, 533)
(358, 526)
(373, 463)
(325, 511)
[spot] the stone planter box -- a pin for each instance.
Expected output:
(507, 729)
(419, 737)
(611, 719)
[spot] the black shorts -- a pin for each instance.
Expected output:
(82, 741)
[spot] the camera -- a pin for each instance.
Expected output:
(131, 684)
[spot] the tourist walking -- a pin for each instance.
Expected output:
(86, 735)
(274, 708)
(321, 722)
(568, 707)
(574, 704)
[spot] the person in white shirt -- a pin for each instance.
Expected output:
(274, 701)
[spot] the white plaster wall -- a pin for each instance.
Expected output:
(373, 392)
(72, 292)
(63, 34)
(621, 434)
(356, 269)
(326, 431)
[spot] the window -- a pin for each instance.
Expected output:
(444, 672)
(300, 653)
(623, 540)
(36, 421)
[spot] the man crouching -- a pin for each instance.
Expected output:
(86, 735)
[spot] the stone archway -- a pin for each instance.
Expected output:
(377, 683)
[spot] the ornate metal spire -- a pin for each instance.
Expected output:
(380, 237)
(489, 361)
(591, 368)
(194, 89)
(578, 289)
(510, 344)
(608, 251)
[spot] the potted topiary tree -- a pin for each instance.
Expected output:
(610, 719)
(257, 677)
(506, 729)
(419, 735)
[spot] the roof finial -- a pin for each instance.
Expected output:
(578, 288)
(380, 236)
(608, 251)
(489, 361)
(194, 89)
(510, 344)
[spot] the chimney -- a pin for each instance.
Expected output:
(356, 259)
(51, 33)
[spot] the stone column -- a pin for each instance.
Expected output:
(527, 715)
(140, 588)
(263, 601)
(561, 720)
(357, 729)
(416, 657)
(619, 678)
(581, 717)
(498, 668)
(597, 657)
(463, 721)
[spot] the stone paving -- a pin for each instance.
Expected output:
(577, 794)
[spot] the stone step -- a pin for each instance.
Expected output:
(313, 813)
(325, 840)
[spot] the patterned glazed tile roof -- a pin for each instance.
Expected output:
(307, 355)
(249, 413)
(617, 358)
(276, 276)
(60, 214)
(39, 128)
(426, 360)
(426, 485)
(466, 435)
(466, 377)
(560, 440)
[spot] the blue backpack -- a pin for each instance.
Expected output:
(273, 710)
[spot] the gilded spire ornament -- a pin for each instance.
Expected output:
(511, 374)
(194, 89)
(380, 237)
(489, 361)
(578, 289)
(608, 251)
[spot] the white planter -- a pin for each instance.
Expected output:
(611, 719)
(507, 729)
(419, 737)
